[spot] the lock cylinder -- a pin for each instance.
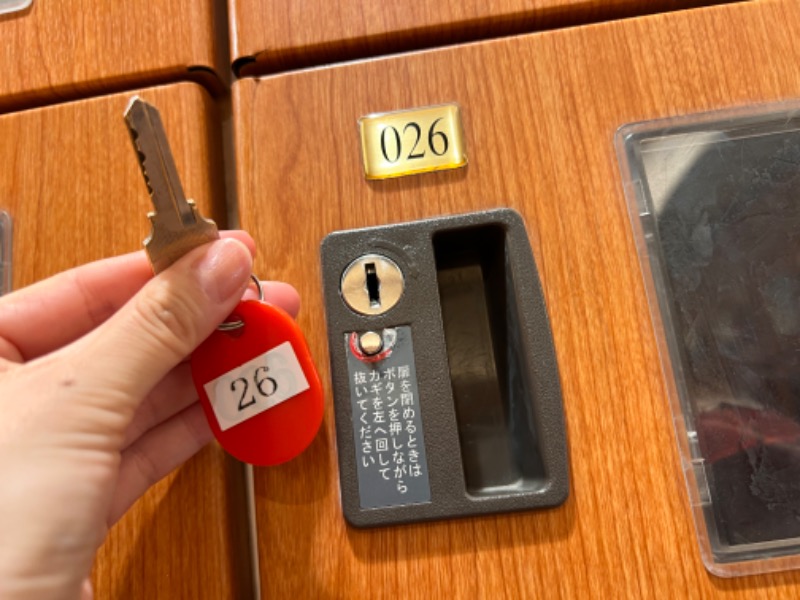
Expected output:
(372, 284)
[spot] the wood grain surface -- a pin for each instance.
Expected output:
(273, 35)
(540, 114)
(70, 180)
(69, 49)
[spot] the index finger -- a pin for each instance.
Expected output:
(56, 311)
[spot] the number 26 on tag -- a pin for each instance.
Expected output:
(258, 386)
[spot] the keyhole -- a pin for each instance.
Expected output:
(373, 285)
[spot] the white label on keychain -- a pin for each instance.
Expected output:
(256, 386)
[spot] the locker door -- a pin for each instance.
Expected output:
(275, 35)
(540, 113)
(57, 51)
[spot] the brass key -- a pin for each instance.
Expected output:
(177, 225)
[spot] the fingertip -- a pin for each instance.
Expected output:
(223, 269)
(243, 237)
(282, 294)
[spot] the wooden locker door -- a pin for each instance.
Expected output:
(274, 35)
(71, 182)
(57, 51)
(540, 114)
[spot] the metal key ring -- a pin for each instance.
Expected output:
(233, 325)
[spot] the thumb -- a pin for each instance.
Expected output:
(163, 323)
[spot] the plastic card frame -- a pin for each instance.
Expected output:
(12, 6)
(5, 252)
(714, 202)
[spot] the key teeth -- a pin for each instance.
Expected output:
(134, 133)
(142, 160)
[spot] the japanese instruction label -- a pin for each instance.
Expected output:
(387, 426)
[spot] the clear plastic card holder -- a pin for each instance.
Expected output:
(5, 252)
(714, 201)
(12, 6)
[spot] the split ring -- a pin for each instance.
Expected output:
(234, 325)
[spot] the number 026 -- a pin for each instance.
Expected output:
(412, 141)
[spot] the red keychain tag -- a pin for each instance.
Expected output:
(258, 385)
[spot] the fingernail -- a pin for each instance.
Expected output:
(224, 269)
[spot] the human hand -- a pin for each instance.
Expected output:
(97, 401)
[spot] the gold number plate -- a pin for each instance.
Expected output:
(407, 142)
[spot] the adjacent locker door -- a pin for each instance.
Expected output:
(70, 180)
(540, 114)
(57, 51)
(275, 35)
